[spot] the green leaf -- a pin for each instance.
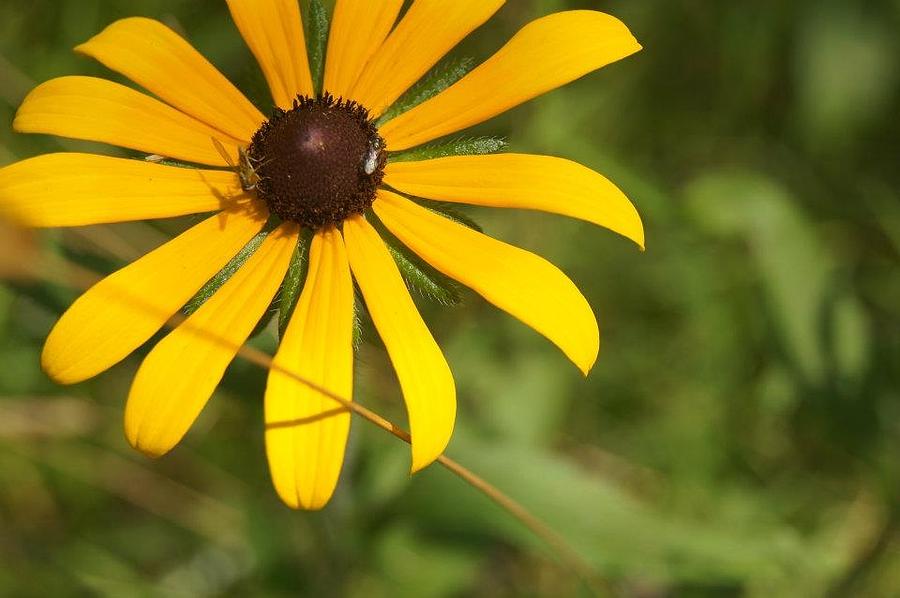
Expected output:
(793, 263)
(442, 76)
(464, 146)
(293, 281)
(419, 276)
(219, 280)
(851, 336)
(317, 28)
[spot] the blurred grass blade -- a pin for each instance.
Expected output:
(794, 265)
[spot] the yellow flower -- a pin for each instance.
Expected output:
(319, 163)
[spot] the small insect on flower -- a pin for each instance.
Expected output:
(244, 168)
(374, 153)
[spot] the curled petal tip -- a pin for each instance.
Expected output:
(641, 241)
(587, 366)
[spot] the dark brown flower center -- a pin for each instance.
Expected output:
(319, 162)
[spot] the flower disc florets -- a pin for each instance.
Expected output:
(319, 162)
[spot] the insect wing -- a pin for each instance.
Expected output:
(223, 152)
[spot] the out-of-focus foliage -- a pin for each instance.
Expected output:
(739, 436)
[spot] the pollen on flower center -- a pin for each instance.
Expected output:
(319, 162)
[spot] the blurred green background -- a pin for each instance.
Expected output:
(739, 436)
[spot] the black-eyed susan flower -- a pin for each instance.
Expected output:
(334, 162)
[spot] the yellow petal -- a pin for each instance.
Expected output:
(80, 189)
(521, 181)
(120, 313)
(273, 31)
(180, 374)
(544, 55)
(162, 62)
(429, 30)
(306, 431)
(425, 378)
(526, 286)
(358, 28)
(99, 110)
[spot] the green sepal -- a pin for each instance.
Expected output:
(418, 275)
(293, 281)
(219, 280)
(317, 30)
(439, 78)
(463, 146)
(166, 162)
(358, 309)
(427, 282)
(266, 319)
(448, 210)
